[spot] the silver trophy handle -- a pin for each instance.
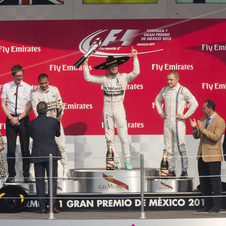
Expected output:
(95, 45)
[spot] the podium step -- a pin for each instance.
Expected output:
(111, 181)
(170, 185)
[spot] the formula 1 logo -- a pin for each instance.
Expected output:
(111, 37)
(116, 38)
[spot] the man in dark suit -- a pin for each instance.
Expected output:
(210, 130)
(43, 130)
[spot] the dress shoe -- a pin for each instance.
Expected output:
(10, 180)
(43, 211)
(55, 210)
(184, 174)
(171, 173)
(204, 209)
(215, 210)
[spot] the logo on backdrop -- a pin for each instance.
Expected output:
(120, 37)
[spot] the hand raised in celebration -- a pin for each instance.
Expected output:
(134, 52)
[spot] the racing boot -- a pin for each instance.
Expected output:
(116, 165)
(128, 165)
(184, 174)
(171, 173)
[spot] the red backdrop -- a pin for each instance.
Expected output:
(195, 48)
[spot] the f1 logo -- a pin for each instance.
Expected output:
(126, 39)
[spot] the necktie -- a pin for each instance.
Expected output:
(207, 122)
(16, 94)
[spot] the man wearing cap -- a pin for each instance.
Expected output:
(114, 85)
(175, 97)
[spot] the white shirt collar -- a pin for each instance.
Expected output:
(211, 117)
(14, 84)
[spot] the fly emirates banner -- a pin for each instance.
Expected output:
(194, 48)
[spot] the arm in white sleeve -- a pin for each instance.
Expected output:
(193, 103)
(136, 70)
(34, 103)
(158, 102)
(91, 78)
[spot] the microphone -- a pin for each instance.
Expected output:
(95, 45)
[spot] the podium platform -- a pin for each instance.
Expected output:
(113, 181)
(100, 189)
(170, 185)
(126, 181)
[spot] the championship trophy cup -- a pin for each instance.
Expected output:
(95, 45)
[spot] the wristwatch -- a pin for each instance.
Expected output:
(19, 118)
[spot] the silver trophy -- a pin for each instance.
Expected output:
(95, 46)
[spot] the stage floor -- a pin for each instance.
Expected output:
(119, 190)
(112, 218)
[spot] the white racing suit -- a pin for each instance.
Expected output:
(114, 112)
(175, 101)
(53, 100)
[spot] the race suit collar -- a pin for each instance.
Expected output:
(113, 76)
(176, 87)
(44, 91)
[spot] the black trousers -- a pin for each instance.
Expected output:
(40, 182)
(11, 134)
(210, 186)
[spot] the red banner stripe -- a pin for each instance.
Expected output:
(168, 186)
(110, 164)
(164, 173)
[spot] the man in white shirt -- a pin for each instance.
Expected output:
(16, 105)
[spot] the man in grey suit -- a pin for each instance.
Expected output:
(43, 130)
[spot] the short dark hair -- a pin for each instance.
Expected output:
(16, 68)
(42, 108)
(210, 104)
(41, 76)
